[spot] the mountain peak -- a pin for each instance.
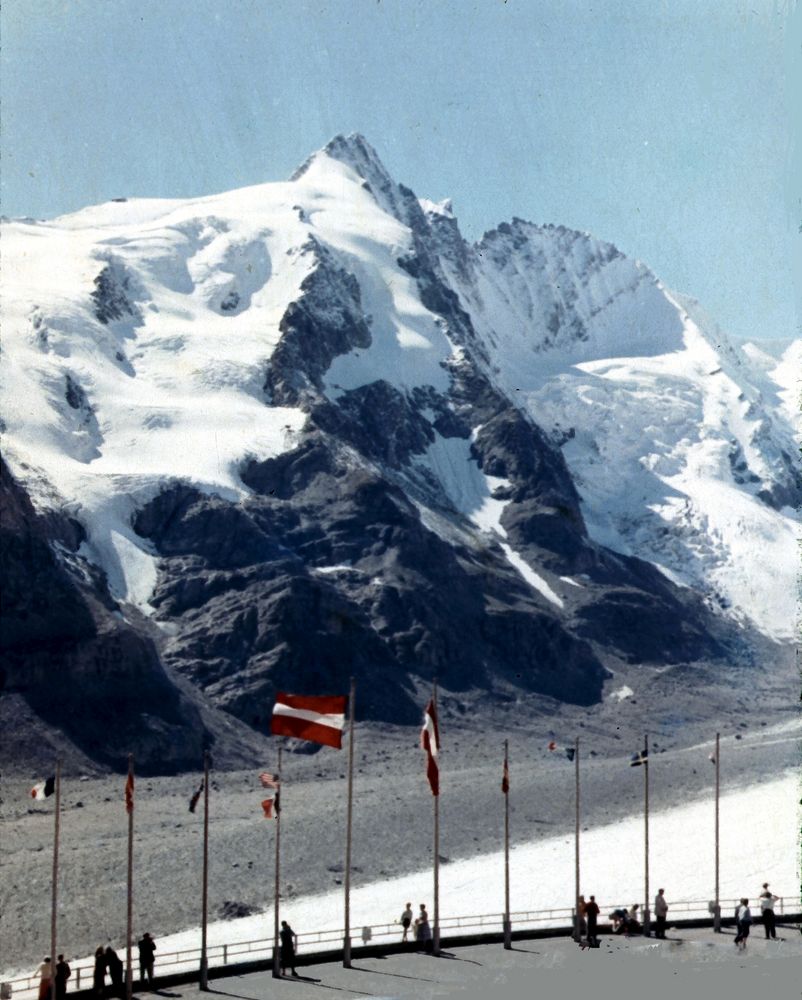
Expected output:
(355, 152)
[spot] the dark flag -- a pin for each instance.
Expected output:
(570, 752)
(44, 789)
(505, 779)
(641, 757)
(129, 793)
(193, 802)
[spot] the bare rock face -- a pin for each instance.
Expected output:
(70, 653)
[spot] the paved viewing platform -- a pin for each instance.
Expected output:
(691, 963)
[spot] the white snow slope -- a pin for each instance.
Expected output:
(670, 432)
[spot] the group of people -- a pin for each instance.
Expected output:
(423, 930)
(743, 917)
(107, 960)
(46, 979)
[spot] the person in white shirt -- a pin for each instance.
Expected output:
(660, 912)
(406, 921)
(743, 917)
(767, 900)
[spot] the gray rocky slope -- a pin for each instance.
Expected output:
(350, 553)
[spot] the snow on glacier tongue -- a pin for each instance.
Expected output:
(471, 492)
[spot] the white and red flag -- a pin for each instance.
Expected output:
(44, 789)
(317, 718)
(430, 742)
(271, 805)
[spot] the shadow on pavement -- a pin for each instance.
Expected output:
(454, 958)
(396, 975)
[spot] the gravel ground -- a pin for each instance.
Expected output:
(392, 818)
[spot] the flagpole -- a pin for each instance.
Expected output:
(276, 953)
(646, 913)
(204, 963)
(578, 915)
(54, 902)
(717, 910)
(129, 969)
(436, 930)
(347, 938)
(507, 926)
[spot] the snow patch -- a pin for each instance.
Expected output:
(532, 578)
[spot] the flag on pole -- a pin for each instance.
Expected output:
(505, 778)
(193, 802)
(44, 789)
(641, 757)
(430, 742)
(271, 805)
(570, 752)
(317, 718)
(129, 793)
(712, 757)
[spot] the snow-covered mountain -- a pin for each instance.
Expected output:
(303, 429)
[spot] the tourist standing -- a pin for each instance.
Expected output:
(406, 921)
(592, 915)
(99, 973)
(63, 973)
(45, 976)
(423, 932)
(147, 956)
(289, 940)
(767, 900)
(660, 912)
(115, 966)
(743, 919)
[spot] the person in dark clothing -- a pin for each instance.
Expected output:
(743, 919)
(99, 973)
(288, 941)
(115, 966)
(63, 973)
(592, 917)
(147, 952)
(661, 913)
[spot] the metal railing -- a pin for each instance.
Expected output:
(234, 952)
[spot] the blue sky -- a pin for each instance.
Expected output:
(664, 127)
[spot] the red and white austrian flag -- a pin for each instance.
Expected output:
(317, 718)
(430, 742)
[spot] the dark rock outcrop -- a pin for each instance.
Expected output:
(70, 653)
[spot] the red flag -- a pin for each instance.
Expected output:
(317, 718)
(430, 742)
(505, 780)
(129, 793)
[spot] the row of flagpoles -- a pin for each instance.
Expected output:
(321, 719)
